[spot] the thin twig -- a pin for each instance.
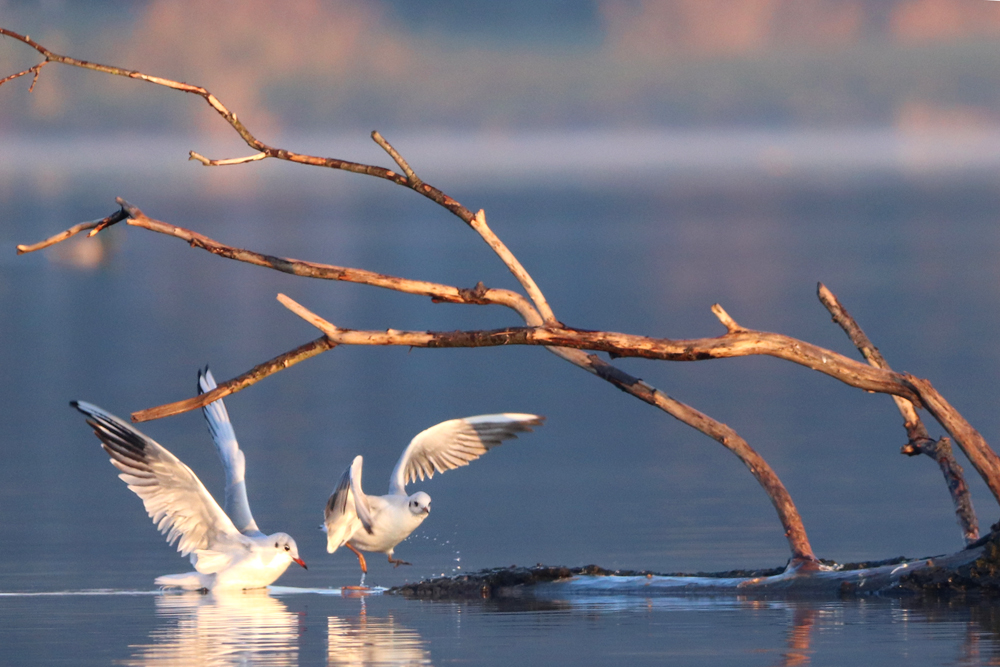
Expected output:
(424, 189)
(478, 223)
(920, 441)
(743, 343)
(96, 226)
(414, 180)
(220, 163)
(726, 320)
(439, 293)
(35, 68)
(254, 375)
(983, 458)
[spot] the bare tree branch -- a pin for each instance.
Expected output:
(221, 163)
(543, 327)
(95, 226)
(264, 150)
(415, 181)
(920, 441)
(254, 375)
(982, 457)
(507, 257)
(787, 513)
(37, 69)
(727, 321)
(746, 342)
(741, 342)
(478, 295)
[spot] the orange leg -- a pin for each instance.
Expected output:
(396, 562)
(361, 558)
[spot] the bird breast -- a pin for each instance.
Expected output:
(392, 522)
(258, 569)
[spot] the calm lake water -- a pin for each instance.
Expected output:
(310, 629)
(908, 239)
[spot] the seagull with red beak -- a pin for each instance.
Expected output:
(379, 523)
(227, 549)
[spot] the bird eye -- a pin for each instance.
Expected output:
(287, 548)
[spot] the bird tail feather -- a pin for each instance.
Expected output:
(189, 581)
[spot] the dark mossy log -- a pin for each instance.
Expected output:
(975, 569)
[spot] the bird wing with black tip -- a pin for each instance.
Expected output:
(454, 443)
(174, 497)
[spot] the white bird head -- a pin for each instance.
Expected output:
(284, 544)
(419, 504)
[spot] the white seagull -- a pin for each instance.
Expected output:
(227, 551)
(379, 523)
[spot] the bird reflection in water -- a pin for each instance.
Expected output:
(222, 628)
(373, 641)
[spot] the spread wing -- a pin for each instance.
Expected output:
(347, 506)
(454, 443)
(237, 506)
(174, 497)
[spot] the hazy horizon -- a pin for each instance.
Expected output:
(349, 65)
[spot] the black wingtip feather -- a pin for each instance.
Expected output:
(201, 375)
(338, 499)
(119, 440)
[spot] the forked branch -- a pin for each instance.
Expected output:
(741, 343)
(254, 375)
(542, 326)
(794, 529)
(920, 441)
(791, 520)
(95, 227)
(262, 150)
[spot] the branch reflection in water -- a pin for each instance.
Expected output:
(222, 628)
(374, 641)
(799, 637)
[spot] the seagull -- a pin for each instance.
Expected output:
(378, 523)
(227, 549)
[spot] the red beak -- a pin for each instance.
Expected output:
(300, 562)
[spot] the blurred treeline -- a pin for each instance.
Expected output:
(356, 64)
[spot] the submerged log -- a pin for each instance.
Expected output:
(975, 569)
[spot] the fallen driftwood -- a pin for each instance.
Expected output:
(971, 568)
(975, 569)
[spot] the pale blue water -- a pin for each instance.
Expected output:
(313, 629)
(607, 480)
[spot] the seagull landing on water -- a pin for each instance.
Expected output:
(226, 547)
(379, 523)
